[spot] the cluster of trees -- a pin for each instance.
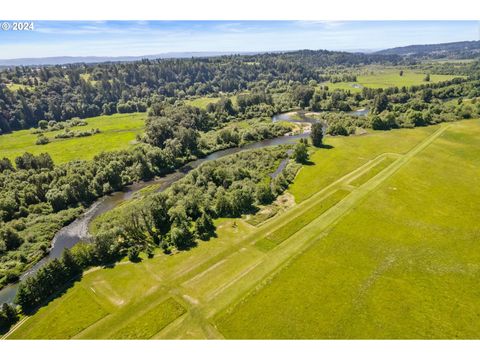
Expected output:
(70, 133)
(48, 126)
(320, 98)
(238, 134)
(42, 139)
(173, 220)
(228, 187)
(258, 103)
(35, 289)
(8, 317)
(35, 196)
(424, 105)
(300, 153)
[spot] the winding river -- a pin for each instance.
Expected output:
(71, 234)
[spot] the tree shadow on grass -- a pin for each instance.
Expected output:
(187, 247)
(55, 295)
(308, 163)
(211, 235)
(326, 146)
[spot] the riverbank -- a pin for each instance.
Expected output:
(75, 232)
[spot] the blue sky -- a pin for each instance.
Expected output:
(121, 38)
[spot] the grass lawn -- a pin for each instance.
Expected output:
(151, 322)
(404, 263)
(117, 132)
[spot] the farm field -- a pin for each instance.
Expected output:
(387, 78)
(348, 153)
(117, 132)
(401, 264)
(342, 253)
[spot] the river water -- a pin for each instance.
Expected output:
(71, 234)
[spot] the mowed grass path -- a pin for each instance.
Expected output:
(207, 280)
(404, 263)
(117, 132)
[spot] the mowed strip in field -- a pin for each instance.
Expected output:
(211, 281)
(116, 132)
(403, 263)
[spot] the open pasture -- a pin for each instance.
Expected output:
(387, 77)
(403, 263)
(116, 132)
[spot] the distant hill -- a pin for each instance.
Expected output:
(62, 60)
(456, 50)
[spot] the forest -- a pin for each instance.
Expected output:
(63, 92)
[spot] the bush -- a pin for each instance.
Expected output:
(133, 254)
(42, 140)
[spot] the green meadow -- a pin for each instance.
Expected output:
(348, 153)
(401, 264)
(381, 243)
(202, 102)
(116, 132)
(386, 77)
(16, 87)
